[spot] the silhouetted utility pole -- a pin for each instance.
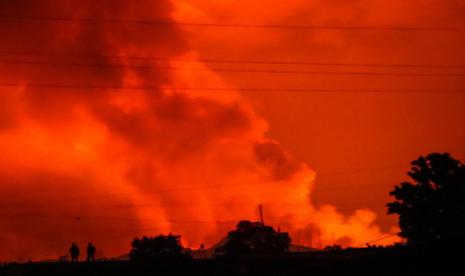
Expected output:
(260, 209)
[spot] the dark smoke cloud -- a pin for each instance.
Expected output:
(41, 189)
(165, 128)
(271, 154)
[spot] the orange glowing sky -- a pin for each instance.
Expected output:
(167, 159)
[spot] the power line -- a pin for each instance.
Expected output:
(110, 218)
(37, 204)
(116, 231)
(233, 25)
(238, 61)
(23, 205)
(364, 170)
(209, 89)
(173, 221)
(209, 187)
(235, 70)
(381, 238)
(184, 189)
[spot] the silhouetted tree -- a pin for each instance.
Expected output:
(432, 206)
(255, 239)
(162, 246)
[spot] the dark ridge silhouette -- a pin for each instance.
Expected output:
(333, 248)
(440, 258)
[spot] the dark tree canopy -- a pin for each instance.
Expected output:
(255, 239)
(147, 248)
(432, 206)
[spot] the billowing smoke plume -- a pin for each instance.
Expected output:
(105, 165)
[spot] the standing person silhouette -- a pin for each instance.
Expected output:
(74, 252)
(90, 252)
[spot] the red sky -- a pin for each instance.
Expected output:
(133, 162)
(356, 140)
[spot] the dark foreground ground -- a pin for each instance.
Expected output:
(439, 260)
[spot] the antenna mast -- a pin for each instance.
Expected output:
(260, 209)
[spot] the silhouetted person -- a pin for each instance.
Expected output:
(74, 252)
(90, 252)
